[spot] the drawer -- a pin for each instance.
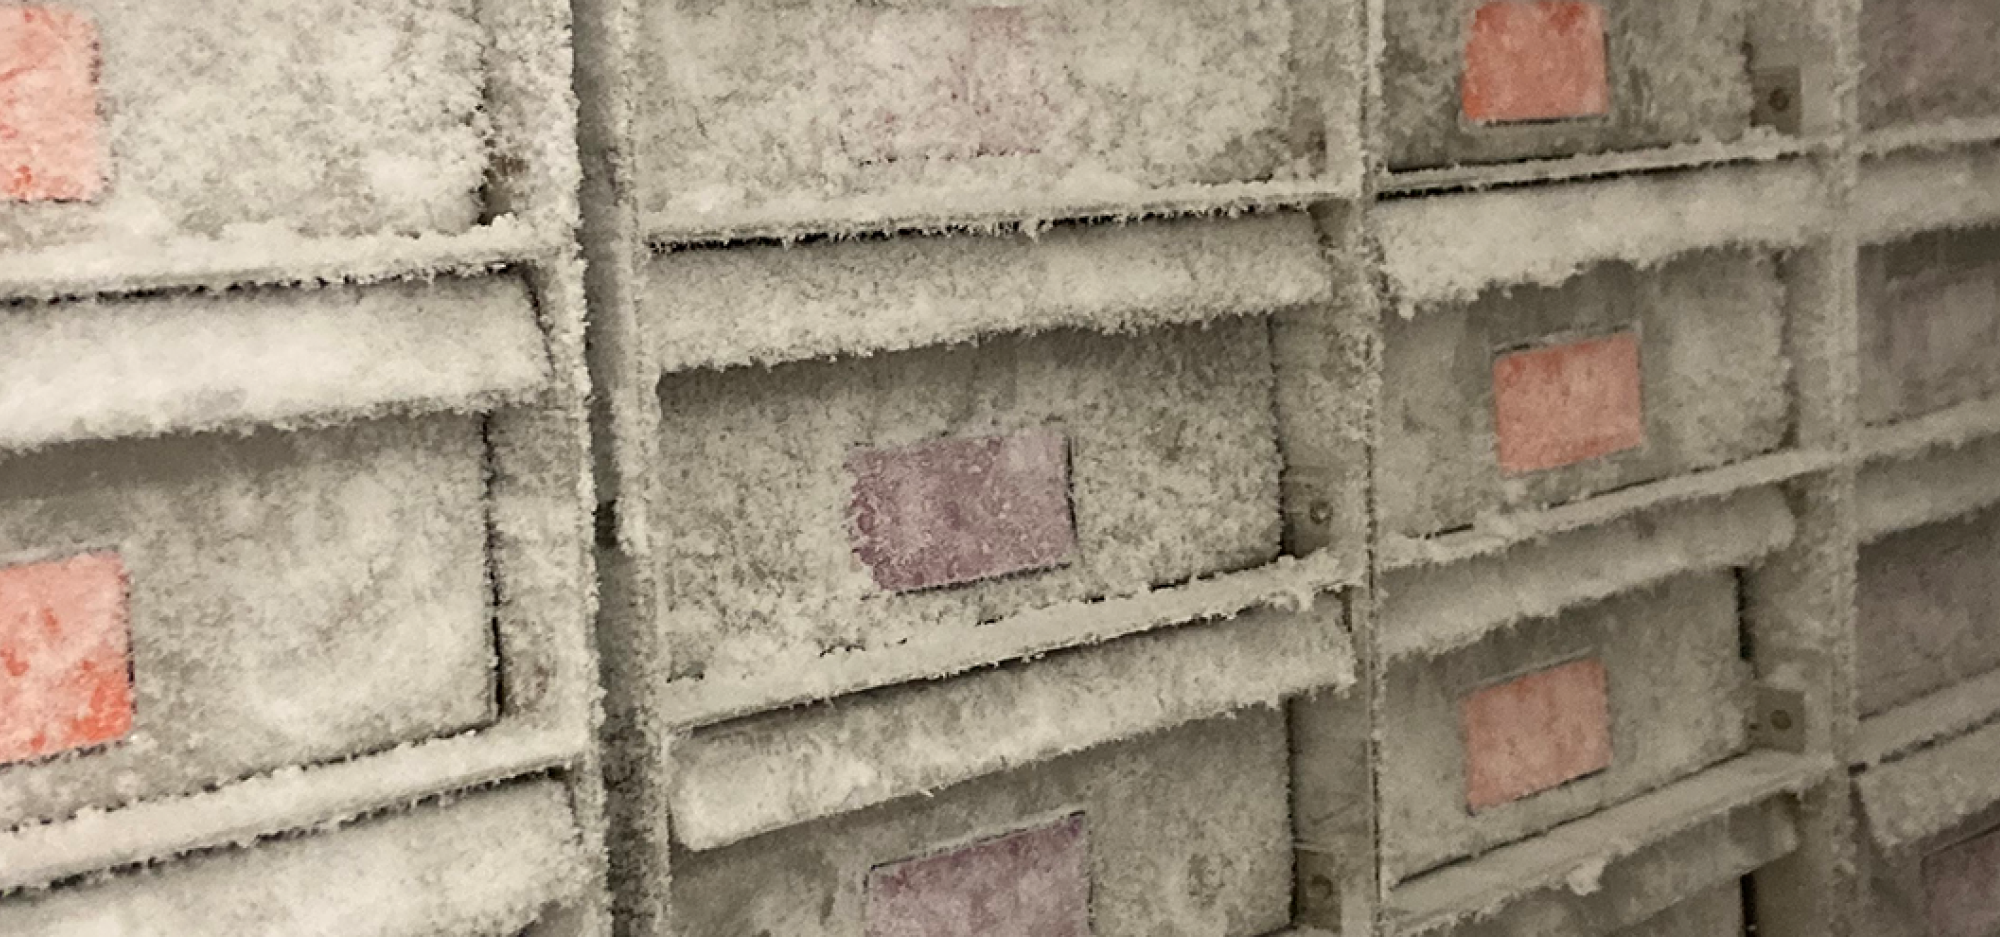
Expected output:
(483, 865)
(846, 506)
(1928, 599)
(1539, 395)
(769, 108)
(158, 120)
(1947, 886)
(1184, 832)
(1929, 60)
(1930, 321)
(1472, 81)
(1557, 718)
(190, 610)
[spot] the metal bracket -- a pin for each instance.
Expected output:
(1780, 720)
(1778, 99)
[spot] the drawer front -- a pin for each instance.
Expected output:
(1558, 718)
(157, 118)
(1928, 601)
(1469, 81)
(1929, 60)
(227, 605)
(1537, 396)
(1176, 834)
(1962, 887)
(849, 505)
(485, 865)
(1930, 319)
(768, 106)
(1947, 886)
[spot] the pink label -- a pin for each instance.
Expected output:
(1535, 733)
(1035, 883)
(1536, 60)
(1565, 404)
(959, 510)
(65, 673)
(948, 84)
(49, 134)
(1962, 888)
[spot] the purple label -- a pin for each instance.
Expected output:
(1034, 883)
(1962, 886)
(960, 510)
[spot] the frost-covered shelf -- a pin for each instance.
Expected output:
(1450, 248)
(266, 259)
(492, 862)
(1941, 715)
(1913, 191)
(1928, 792)
(989, 212)
(1927, 485)
(1623, 864)
(1951, 427)
(1573, 168)
(1931, 136)
(1430, 610)
(290, 799)
(767, 772)
(130, 366)
(723, 307)
(1502, 531)
(1287, 584)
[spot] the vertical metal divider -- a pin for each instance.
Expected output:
(624, 416)
(1801, 604)
(1327, 360)
(1329, 380)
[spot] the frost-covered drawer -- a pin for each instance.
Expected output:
(1535, 395)
(151, 119)
(1467, 81)
(1947, 885)
(1558, 718)
(194, 609)
(1929, 60)
(1184, 833)
(1929, 610)
(843, 507)
(483, 865)
(1930, 322)
(769, 107)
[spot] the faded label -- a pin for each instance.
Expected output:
(946, 84)
(1536, 732)
(1564, 404)
(1034, 883)
(1962, 888)
(1536, 60)
(959, 510)
(49, 136)
(65, 678)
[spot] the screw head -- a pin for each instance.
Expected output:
(1320, 512)
(1321, 887)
